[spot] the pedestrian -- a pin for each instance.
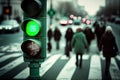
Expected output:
(79, 43)
(49, 46)
(68, 37)
(57, 37)
(50, 34)
(89, 35)
(99, 30)
(108, 47)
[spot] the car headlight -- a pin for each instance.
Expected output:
(8, 27)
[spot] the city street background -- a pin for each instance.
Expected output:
(57, 66)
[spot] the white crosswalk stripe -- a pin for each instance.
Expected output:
(85, 57)
(118, 57)
(66, 73)
(114, 70)
(14, 47)
(9, 56)
(43, 69)
(11, 65)
(95, 68)
(23, 74)
(68, 70)
(1, 54)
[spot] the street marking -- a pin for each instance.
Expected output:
(48, 64)
(1, 54)
(48, 55)
(11, 65)
(43, 69)
(11, 48)
(68, 70)
(114, 70)
(118, 57)
(23, 74)
(85, 57)
(9, 56)
(95, 68)
(4, 48)
(64, 57)
(101, 56)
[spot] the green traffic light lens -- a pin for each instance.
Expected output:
(32, 28)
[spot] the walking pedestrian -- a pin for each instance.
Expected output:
(57, 37)
(108, 47)
(68, 37)
(50, 35)
(79, 43)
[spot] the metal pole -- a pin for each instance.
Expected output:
(34, 71)
(51, 8)
(8, 5)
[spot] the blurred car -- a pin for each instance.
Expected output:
(77, 22)
(84, 20)
(9, 26)
(70, 22)
(63, 22)
(88, 21)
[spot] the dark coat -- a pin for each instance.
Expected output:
(57, 34)
(79, 42)
(89, 35)
(50, 34)
(69, 34)
(108, 44)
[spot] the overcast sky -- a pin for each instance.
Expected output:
(91, 6)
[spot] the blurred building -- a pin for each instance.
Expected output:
(113, 7)
(15, 8)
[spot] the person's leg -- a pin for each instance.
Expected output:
(76, 59)
(80, 65)
(57, 45)
(107, 65)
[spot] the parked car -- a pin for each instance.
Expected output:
(9, 26)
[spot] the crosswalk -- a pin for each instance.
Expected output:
(68, 70)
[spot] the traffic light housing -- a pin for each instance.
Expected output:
(7, 10)
(34, 30)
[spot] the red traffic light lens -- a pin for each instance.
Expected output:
(31, 47)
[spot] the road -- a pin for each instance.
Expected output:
(56, 66)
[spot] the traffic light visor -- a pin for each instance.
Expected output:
(31, 27)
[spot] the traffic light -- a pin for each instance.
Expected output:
(7, 10)
(34, 30)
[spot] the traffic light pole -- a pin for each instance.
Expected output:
(34, 28)
(34, 71)
(51, 21)
(51, 17)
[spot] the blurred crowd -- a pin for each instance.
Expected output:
(80, 41)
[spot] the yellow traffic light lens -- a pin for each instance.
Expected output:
(32, 28)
